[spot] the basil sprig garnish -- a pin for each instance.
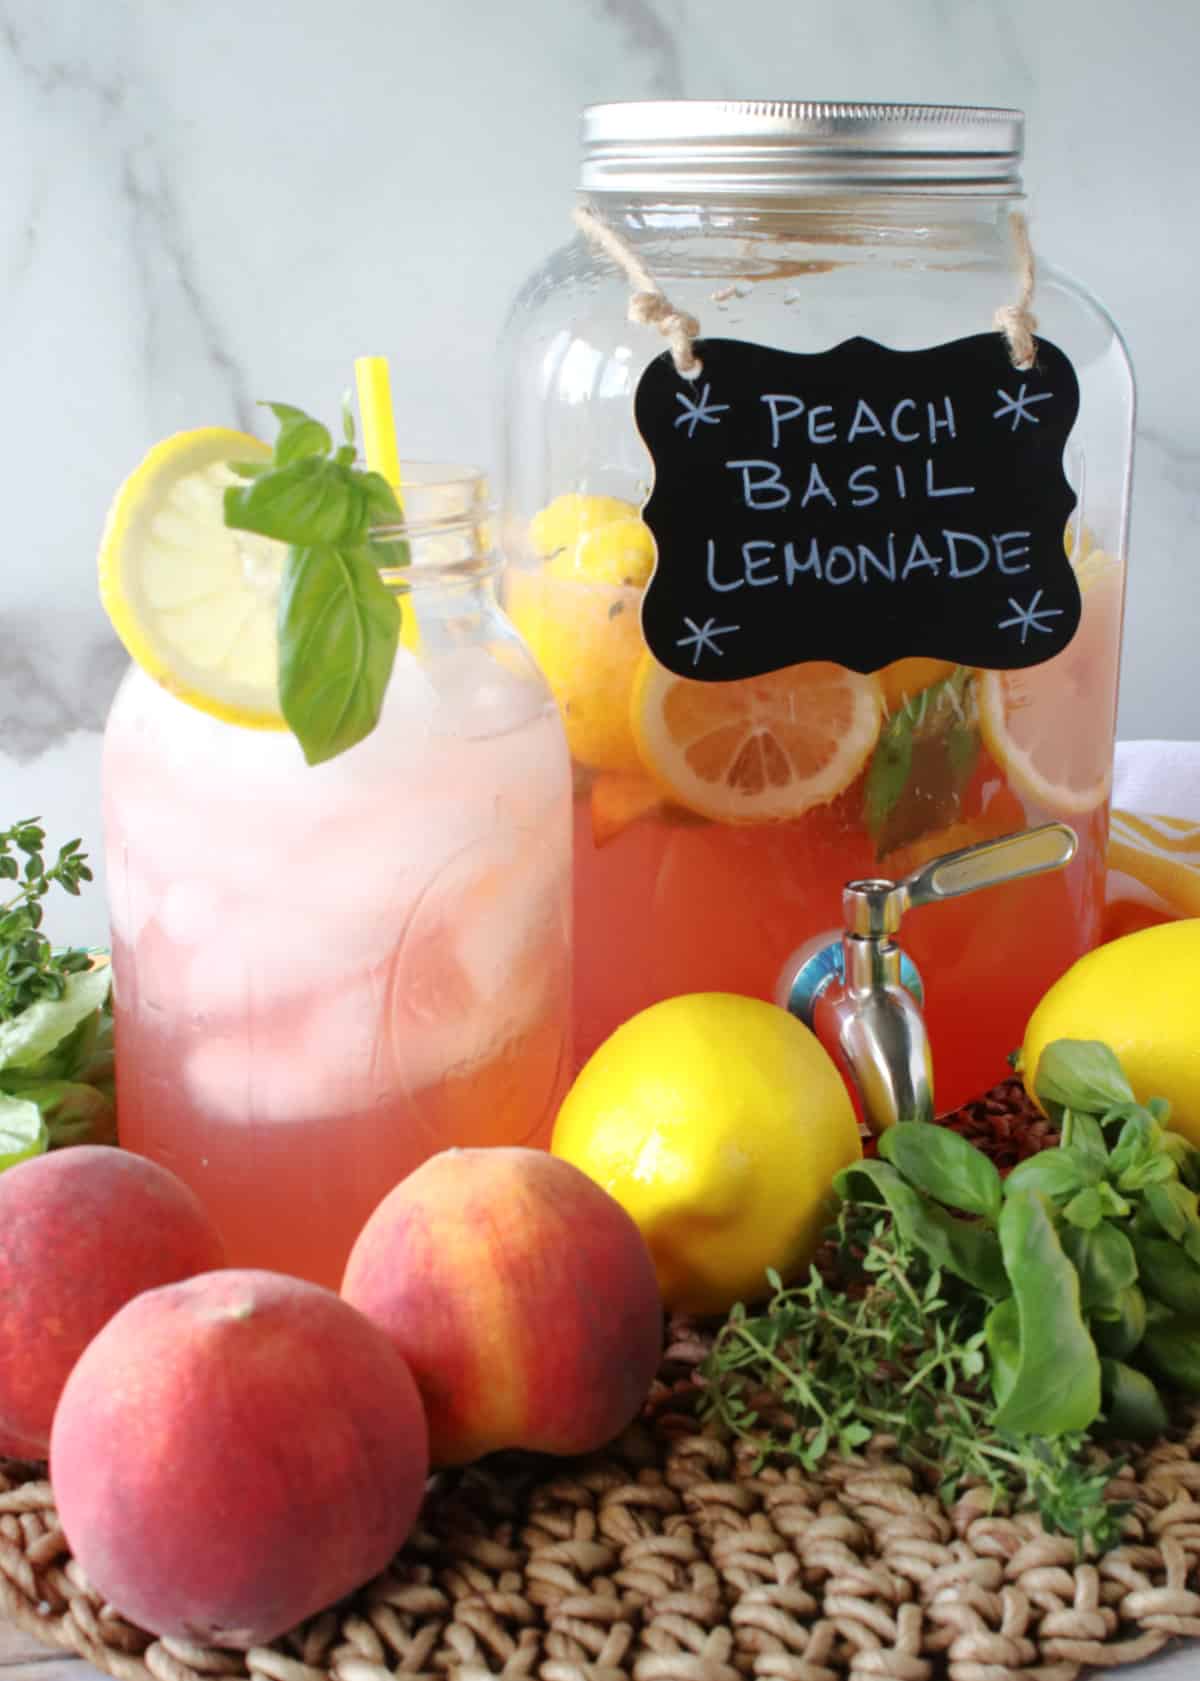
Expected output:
(338, 624)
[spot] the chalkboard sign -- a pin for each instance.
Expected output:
(858, 505)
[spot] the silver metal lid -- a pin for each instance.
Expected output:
(699, 147)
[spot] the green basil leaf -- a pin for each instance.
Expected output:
(1086, 1210)
(1184, 1155)
(945, 1166)
(1125, 1111)
(923, 760)
(887, 777)
(1166, 1273)
(26, 1040)
(1082, 1074)
(1174, 1207)
(1187, 1161)
(1057, 1384)
(1104, 1259)
(308, 503)
(100, 1068)
(1157, 1169)
(1171, 1349)
(1133, 1408)
(857, 1182)
(299, 434)
(907, 1208)
(1002, 1331)
(1158, 1313)
(964, 1247)
(381, 498)
(72, 1054)
(1120, 1327)
(1054, 1173)
(1136, 1141)
(389, 557)
(338, 631)
(970, 1251)
(22, 1131)
(1111, 1202)
(1083, 1137)
(74, 1113)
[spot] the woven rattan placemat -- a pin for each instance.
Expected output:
(669, 1558)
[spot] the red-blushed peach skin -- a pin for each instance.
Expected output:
(234, 1453)
(12, 1447)
(83, 1231)
(522, 1296)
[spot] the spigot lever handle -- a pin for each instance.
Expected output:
(1008, 858)
(865, 987)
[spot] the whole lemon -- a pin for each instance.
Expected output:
(621, 552)
(718, 1122)
(587, 639)
(564, 521)
(1139, 995)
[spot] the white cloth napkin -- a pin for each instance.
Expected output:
(1158, 776)
(1154, 843)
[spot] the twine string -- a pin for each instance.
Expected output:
(649, 305)
(1017, 321)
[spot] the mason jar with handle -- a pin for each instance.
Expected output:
(326, 973)
(716, 821)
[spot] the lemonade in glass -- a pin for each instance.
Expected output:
(326, 972)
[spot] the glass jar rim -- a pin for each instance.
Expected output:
(437, 499)
(444, 533)
(704, 147)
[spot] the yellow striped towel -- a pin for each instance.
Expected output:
(1162, 854)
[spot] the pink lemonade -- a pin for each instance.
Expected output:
(324, 975)
(293, 1196)
(692, 875)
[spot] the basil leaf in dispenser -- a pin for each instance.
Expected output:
(859, 505)
(922, 763)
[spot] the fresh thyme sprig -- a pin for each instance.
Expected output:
(900, 1352)
(30, 969)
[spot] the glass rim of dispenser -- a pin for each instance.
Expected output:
(698, 147)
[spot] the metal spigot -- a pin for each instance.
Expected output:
(862, 995)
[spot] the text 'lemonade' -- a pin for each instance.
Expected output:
(327, 972)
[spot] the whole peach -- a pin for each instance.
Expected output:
(233, 1453)
(522, 1296)
(82, 1231)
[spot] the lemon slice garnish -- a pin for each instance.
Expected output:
(1048, 726)
(194, 602)
(760, 750)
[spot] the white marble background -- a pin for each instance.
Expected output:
(209, 201)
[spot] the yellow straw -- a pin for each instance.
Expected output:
(379, 445)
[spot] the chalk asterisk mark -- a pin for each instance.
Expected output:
(1030, 618)
(700, 412)
(702, 638)
(1019, 406)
